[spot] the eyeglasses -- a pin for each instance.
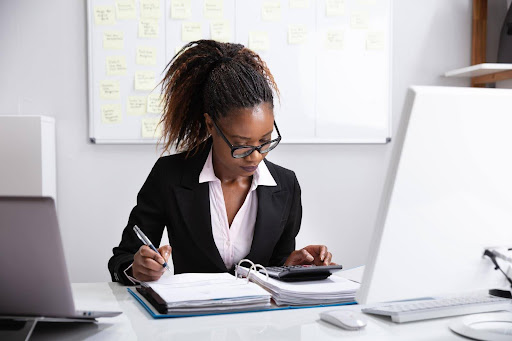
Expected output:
(239, 152)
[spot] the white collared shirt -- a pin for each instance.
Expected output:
(234, 242)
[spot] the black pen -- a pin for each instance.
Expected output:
(147, 242)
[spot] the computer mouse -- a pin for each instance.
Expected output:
(346, 319)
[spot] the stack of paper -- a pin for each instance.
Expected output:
(208, 293)
(332, 290)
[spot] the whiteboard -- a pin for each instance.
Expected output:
(331, 60)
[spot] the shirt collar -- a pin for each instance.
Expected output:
(261, 177)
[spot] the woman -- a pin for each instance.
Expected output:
(219, 201)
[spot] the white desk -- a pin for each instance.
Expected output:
(301, 324)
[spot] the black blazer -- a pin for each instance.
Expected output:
(172, 196)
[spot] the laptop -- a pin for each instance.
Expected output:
(34, 277)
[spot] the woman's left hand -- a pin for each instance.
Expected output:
(311, 254)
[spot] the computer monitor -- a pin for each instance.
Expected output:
(447, 196)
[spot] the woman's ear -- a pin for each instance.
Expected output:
(209, 123)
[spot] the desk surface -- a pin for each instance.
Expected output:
(301, 324)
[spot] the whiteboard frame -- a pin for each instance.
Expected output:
(140, 141)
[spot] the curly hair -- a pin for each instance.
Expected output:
(207, 76)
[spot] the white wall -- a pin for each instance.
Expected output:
(43, 69)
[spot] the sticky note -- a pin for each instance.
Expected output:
(334, 8)
(359, 20)
(145, 55)
(299, 3)
(220, 31)
(144, 80)
(150, 128)
(136, 105)
(155, 104)
(375, 41)
(191, 31)
(334, 39)
(271, 11)
(150, 9)
(111, 113)
(110, 89)
(297, 34)
(258, 41)
(181, 9)
(213, 9)
(113, 40)
(148, 28)
(104, 15)
(116, 65)
(125, 9)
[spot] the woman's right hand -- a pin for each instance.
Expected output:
(147, 264)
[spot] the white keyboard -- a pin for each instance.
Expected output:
(439, 307)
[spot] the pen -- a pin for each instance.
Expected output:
(147, 242)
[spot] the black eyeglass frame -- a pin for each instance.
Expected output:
(253, 148)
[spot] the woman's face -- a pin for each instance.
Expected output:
(242, 126)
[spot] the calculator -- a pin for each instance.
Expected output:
(295, 273)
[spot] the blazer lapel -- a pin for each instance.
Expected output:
(194, 203)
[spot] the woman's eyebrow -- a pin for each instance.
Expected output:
(248, 138)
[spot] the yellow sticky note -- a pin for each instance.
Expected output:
(271, 11)
(258, 40)
(110, 89)
(148, 28)
(104, 15)
(220, 31)
(375, 41)
(136, 105)
(151, 128)
(125, 9)
(213, 9)
(299, 3)
(359, 20)
(145, 55)
(111, 113)
(297, 34)
(155, 104)
(150, 9)
(144, 80)
(334, 39)
(181, 9)
(191, 31)
(113, 40)
(116, 65)
(334, 8)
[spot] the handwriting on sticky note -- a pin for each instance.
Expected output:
(155, 104)
(113, 40)
(181, 9)
(299, 4)
(271, 11)
(145, 55)
(213, 9)
(110, 89)
(359, 20)
(150, 128)
(125, 9)
(144, 80)
(220, 31)
(136, 105)
(334, 8)
(297, 34)
(111, 113)
(375, 41)
(191, 31)
(148, 28)
(104, 15)
(259, 41)
(150, 9)
(334, 39)
(116, 65)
